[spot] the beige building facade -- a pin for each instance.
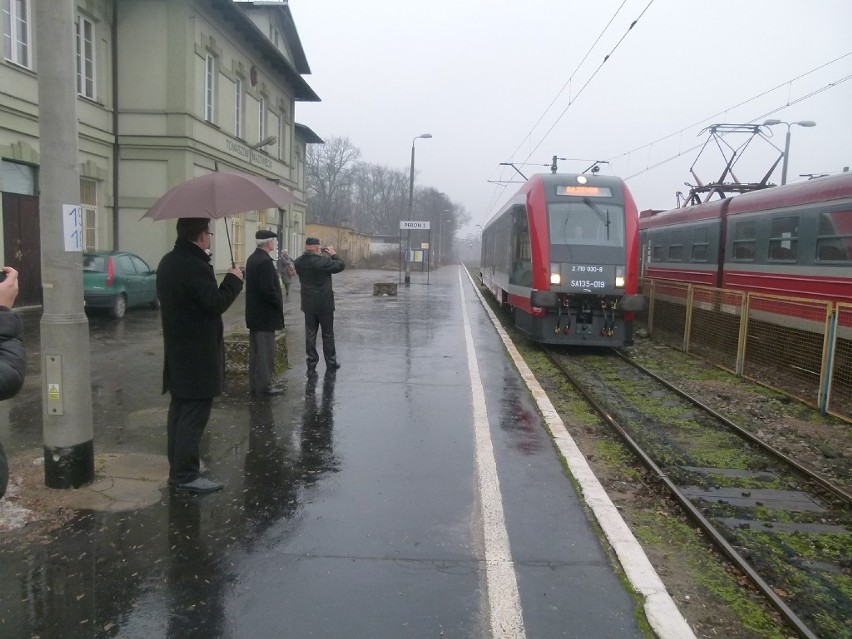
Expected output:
(167, 90)
(353, 247)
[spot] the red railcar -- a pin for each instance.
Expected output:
(562, 252)
(793, 240)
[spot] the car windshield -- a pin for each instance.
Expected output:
(94, 263)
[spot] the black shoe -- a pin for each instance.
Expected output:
(332, 367)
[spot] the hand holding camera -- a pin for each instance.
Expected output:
(8, 286)
(328, 250)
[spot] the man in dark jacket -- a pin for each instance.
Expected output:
(192, 303)
(264, 312)
(315, 267)
(13, 359)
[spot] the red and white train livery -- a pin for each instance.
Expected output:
(563, 253)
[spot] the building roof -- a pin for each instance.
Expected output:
(236, 16)
(307, 136)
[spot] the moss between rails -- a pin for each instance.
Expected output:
(653, 528)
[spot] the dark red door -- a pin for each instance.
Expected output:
(22, 245)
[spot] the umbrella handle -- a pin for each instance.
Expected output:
(230, 248)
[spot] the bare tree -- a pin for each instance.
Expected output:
(329, 180)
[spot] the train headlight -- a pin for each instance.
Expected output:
(619, 277)
(555, 276)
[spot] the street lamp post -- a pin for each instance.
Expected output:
(773, 122)
(440, 252)
(410, 205)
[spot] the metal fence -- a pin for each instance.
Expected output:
(802, 347)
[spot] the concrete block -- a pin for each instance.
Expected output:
(237, 352)
(384, 288)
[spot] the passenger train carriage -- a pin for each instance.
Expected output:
(793, 240)
(563, 254)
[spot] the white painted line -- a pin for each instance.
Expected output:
(504, 601)
(662, 613)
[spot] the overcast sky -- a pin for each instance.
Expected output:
(498, 81)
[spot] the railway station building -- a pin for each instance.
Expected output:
(167, 90)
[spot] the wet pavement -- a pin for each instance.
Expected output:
(350, 507)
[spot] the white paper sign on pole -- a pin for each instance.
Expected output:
(72, 224)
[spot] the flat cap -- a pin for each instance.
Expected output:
(312, 240)
(264, 234)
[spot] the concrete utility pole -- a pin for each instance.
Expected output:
(69, 458)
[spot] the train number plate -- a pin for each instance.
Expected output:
(587, 277)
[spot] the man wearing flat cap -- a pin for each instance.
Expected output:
(264, 313)
(315, 267)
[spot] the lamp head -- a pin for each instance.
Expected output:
(772, 122)
(806, 123)
(425, 135)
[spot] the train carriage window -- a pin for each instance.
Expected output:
(521, 273)
(784, 239)
(676, 247)
(834, 237)
(700, 245)
(745, 236)
(658, 253)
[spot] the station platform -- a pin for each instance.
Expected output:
(419, 492)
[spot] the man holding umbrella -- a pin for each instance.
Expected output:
(192, 303)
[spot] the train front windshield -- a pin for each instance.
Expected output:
(586, 222)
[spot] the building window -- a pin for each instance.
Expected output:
(238, 108)
(261, 119)
(16, 31)
(261, 219)
(210, 88)
(89, 200)
(85, 57)
(784, 239)
(238, 225)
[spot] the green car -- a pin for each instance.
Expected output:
(117, 280)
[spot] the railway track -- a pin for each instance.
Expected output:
(788, 529)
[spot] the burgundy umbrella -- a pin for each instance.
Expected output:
(217, 195)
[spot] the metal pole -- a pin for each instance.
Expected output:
(410, 205)
(65, 361)
(786, 156)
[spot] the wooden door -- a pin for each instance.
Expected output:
(22, 245)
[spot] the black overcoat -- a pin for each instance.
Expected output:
(191, 305)
(315, 271)
(264, 302)
(13, 358)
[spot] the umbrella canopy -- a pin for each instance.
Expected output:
(218, 195)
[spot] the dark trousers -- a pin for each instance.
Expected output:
(261, 360)
(312, 324)
(4, 472)
(187, 420)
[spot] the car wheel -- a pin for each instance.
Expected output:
(119, 307)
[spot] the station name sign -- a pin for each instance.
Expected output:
(249, 155)
(413, 226)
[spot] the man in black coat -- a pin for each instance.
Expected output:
(192, 303)
(315, 267)
(13, 359)
(264, 312)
